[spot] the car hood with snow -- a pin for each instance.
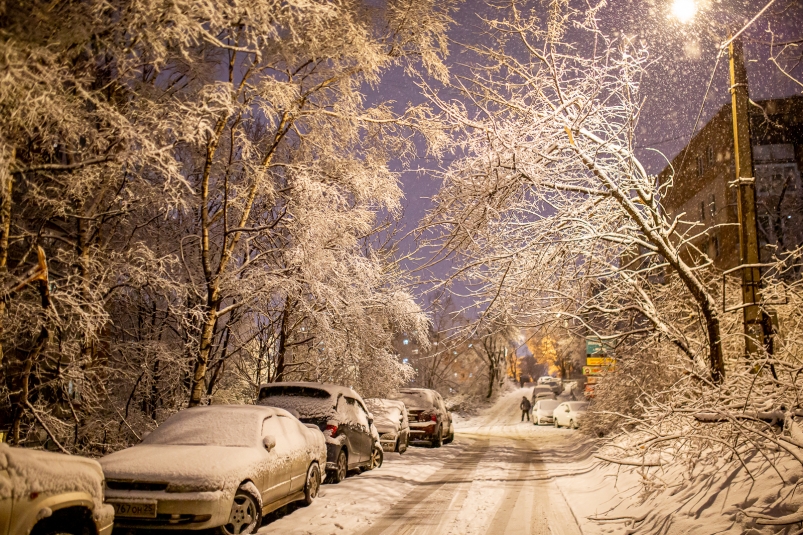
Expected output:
(180, 468)
(388, 414)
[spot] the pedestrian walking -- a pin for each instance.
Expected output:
(525, 408)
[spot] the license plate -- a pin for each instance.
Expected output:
(135, 509)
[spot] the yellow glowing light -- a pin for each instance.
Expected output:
(684, 10)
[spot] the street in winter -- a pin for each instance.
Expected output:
(379, 267)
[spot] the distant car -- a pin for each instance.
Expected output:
(47, 493)
(542, 392)
(542, 411)
(222, 466)
(339, 412)
(569, 413)
(429, 420)
(390, 419)
(552, 382)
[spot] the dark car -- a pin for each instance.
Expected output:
(428, 418)
(339, 412)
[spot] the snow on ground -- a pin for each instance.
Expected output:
(505, 477)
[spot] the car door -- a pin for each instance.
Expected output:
(296, 438)
(275, 480)
(446, 424)
(362, 440)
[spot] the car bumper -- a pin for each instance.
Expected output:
(545, 419)
(423, 432)
(174, 510)
(104, 519)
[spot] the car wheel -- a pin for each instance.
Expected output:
(556, 424)
(65, 522)
(377, 456)
(341, 467)
(437, 439)
(450, 439)
(245, 516)
(571, 425)
(313, 483)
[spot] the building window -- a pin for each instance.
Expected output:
(710, 154)
(700, 166)
(712, 204)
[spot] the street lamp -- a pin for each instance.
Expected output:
(757, 325)
(684, 10)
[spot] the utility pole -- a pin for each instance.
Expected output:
(757, 328)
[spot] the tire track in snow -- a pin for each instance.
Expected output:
(421, 511)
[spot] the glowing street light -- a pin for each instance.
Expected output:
(684, 10)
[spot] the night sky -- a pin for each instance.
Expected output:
(684, 56)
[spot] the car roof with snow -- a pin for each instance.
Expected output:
(300, 386)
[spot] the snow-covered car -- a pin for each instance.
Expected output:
(569, 413)
(542, 411)
(222, 466)
(339, 412)
(542, 392)
(390, 419)
(555, 384)
(47, 493)
(427, 416)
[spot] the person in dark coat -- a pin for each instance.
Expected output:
(525, 408)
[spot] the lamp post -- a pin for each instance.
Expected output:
(756, 323)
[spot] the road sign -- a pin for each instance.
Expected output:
(600, 361)
(594, 370)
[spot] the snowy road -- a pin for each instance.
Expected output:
(492, 480)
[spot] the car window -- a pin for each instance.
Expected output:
(208, 426)
(357, 412)
(415, 399)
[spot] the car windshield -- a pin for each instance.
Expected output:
(416, 399)
(548, 404)
(384, 412)
(579, 406)
(308, 403)
(209, 426)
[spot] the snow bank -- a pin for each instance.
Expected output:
(48, 473)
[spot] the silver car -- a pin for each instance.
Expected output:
(390, 419)
(223, 467)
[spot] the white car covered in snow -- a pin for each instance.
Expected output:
(543, 411)
(47, 493)
(390, 419)
(569, 413)
(223, 467)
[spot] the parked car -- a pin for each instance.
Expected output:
(552, 382)
(569, 413)
(428, 418)
(542, 411)
(47, 493)
(542, 392)
(222, 466)
(339, 412)
(390, 419)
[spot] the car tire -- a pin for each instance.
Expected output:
(65, 522)
(437, 439)
(450, 438)
(557, 425)
(377, 456)
(341, 469)
(246, 514)
(313, 484)
(571, 425)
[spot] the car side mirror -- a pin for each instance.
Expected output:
(269, 441)
(568, 410)
(370, 421)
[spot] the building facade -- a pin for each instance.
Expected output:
(698, 183)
